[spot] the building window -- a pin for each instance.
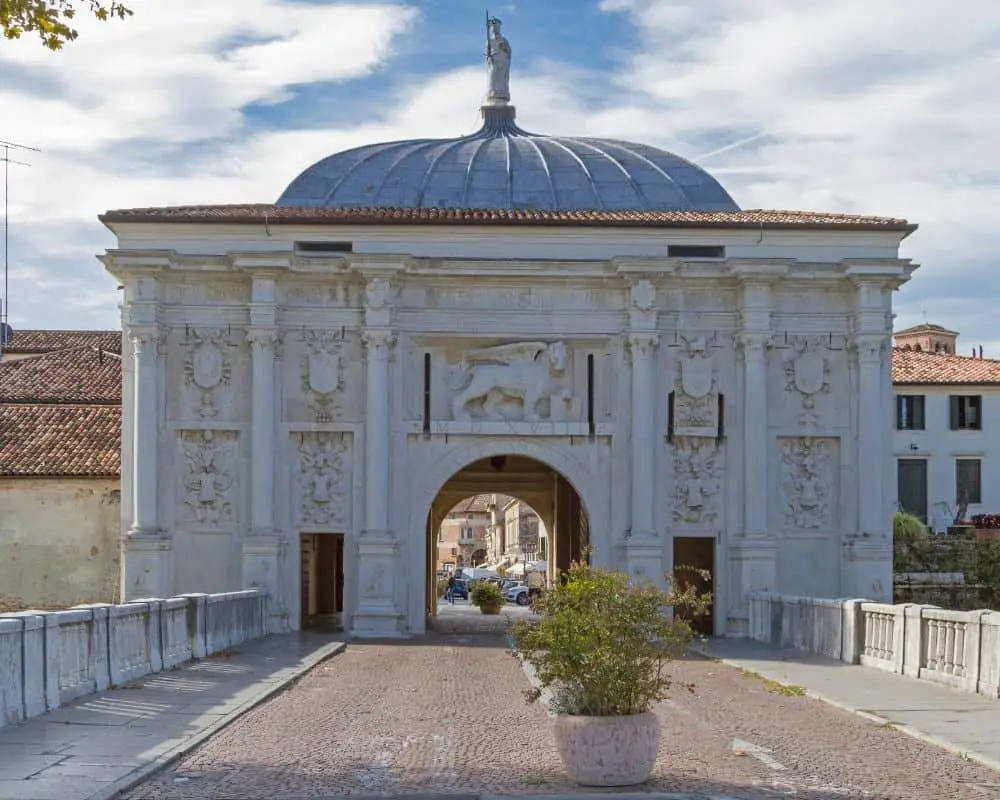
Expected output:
(966, 412)
(909, 412)
(968, 478)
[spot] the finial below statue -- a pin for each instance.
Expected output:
(497, 63)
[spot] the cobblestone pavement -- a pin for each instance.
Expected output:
(446, 715)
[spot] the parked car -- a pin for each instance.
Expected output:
(517, 594)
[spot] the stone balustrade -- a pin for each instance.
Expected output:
(48, 659)
(960, 649)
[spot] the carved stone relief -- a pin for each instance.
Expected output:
(336, 295)
(322, 373)
(322, 479)
(208, 366)
(697, 480)
(809, 472)
(511, 381)
(696, 406)
(209, 478)
(807, 374)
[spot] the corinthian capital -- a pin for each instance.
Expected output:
(144, 343)
(754, 345)
(643, 344)
(869, 347)
(378, 343)
(262, 340)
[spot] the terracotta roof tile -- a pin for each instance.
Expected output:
(60, 441)
(81, 374)
(42, 341)
(277, 215)
(916, 367)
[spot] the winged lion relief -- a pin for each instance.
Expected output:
(523, 372)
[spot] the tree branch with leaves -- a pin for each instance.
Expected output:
(52, 20)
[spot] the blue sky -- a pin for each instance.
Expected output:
(883, 107)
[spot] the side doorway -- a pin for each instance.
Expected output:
(911, 486)
(694, 555)
(322, 580)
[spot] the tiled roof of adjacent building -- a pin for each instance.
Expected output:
(277, 215)
(39, 341)
(916, 367)
(60, 441)
(477, 504)
(76, 375)
(60, 404)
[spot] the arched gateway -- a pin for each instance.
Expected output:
(306, 377)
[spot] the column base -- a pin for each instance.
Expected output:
(642, 561)
(380, 587)
(866, 569)
(147, 566)
(263, 551)
(754, 563)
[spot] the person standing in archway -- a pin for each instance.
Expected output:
(535, 582)
(450, 593)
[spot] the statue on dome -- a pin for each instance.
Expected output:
(498, 63)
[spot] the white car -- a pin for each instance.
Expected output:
(517, 594)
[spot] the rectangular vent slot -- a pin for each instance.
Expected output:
(696, 251)
(322, 248)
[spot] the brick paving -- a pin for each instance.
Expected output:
(445, 715)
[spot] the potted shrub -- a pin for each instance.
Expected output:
(599, 649)
(487, 596)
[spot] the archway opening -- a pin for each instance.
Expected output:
(503, 517)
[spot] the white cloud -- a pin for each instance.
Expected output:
(884, 109)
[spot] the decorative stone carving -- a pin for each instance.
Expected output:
(523, 372)
(643, 295)
(696, 406)
(318, 294)
(378, 293)
(809, 481)
(322, 479)
(209, 478)
(208, 366)
(807, 373)
(697, 480)
(869, 347)
(322, 373)
(643, 344)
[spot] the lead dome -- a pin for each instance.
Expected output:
(502, 166)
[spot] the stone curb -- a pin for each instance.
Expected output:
(876, 719)
(269, 690)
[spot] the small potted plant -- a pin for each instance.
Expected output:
(487, 596)
(599, 649)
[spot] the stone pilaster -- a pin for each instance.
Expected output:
(756, 436)
(643, 346)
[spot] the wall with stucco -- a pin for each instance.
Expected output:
(59, 540)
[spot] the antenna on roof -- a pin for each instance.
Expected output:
(923, 310)
(5, 147)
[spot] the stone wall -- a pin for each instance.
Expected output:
(960, 649)
(48, 659)
(60, 540)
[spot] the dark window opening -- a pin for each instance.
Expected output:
(427, 392)
(909, 412)
(590, 395)
(722, 418)
(324, 247)
(696, 251)
(670, 417)
(966, 412)
(968, 479)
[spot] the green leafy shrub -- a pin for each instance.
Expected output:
(907, 527)
(442, 587)
(487, 596)
(601, 644)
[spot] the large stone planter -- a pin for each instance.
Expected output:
(608, 751)
(491, 610)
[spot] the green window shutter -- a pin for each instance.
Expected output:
(953, 401)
